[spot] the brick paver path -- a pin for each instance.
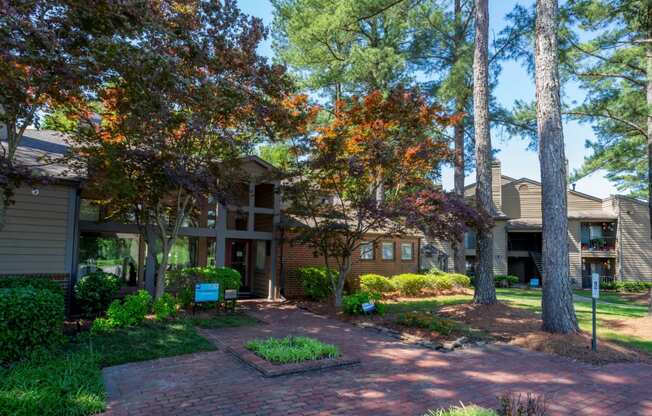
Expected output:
(393, 378)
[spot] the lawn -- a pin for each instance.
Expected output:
(423, 305)
(67, 381)
(292, 349)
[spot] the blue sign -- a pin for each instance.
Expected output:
(207, 292)
(368, 307)
(534, 282)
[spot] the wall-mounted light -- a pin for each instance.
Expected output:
(35, 191)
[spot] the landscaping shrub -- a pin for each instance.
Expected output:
(182, 283)
(439, 282)
(459, 280)
(410, 284)
(29, 318)
(352, 304)
(630, 286)
(462, 411)
(517, 405)
(129, 312)
(164, 307)
(505, 280)
(375, 283)
(315, 281)
(292, 349)
(435, 270)
(426, 321)
(9, 282)
(95, 291)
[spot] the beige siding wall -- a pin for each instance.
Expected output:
(511, 201)
(500, 248)
(34, 238)
(635, 246)
(574, 252)
(580, 203)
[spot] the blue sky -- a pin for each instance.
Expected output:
(514, 84)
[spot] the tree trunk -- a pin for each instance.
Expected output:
(558, 312)
(459, 258)
(162, 269)
(344, 270)
(648, 56)
(485, 291)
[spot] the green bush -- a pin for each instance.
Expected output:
(504, 280)
(182, 283)
(29, 318)
(10, 282)
(435, 270)
(634, 286)
(95, 291)
(375, 283)
(410, 284)
(352, 304)
(440, 282)
(164, 307)
(460, 280)
(462, 411)
(315, 281)
(131, 311)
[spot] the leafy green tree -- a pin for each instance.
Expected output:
(278, 154)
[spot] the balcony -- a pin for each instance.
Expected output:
(598, 239)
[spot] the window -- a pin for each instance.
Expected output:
(406, 251)
(261, 248)
(367, 251)
(388, 250)
(469, 240)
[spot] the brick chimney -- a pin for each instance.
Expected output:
(496, 184)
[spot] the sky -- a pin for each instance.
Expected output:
(514, 84)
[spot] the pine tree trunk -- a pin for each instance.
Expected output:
(648, 56)
(558, 312)
(459, 257)
(485, 290)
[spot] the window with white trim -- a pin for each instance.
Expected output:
(406, 251)
(367, 251)
(388, 250)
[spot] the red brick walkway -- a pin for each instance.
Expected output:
(393, 378)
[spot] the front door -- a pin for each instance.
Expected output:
(238, 259)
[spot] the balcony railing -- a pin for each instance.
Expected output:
(604, 279)
(600, 244)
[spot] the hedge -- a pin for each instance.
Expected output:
(29, 318)
(182, 283)
(375, 283)
(95, 291)
(315, 282)
(9, 282)
(410, 284)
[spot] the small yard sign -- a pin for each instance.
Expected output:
(595, 285)
(207, 292)
(230, 294)
(368, 307)
(595, 294)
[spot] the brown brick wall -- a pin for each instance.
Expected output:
(296, 256)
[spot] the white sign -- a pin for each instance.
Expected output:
(595, 285)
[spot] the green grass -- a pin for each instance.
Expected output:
(531, 299)
(611, 297)
(292, 349)
(462, 411)
(429, 304)
(223, 321)
(68, 381)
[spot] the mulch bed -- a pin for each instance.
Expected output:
(522, 328)
(269, 369)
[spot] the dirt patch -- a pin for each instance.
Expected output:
(640, 327)
(522, 328)
(641, 298)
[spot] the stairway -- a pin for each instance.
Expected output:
(536, 258)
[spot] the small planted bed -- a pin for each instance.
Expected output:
(292, 349)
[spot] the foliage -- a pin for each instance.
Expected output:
(352, 304)
(182, 283)
(410, 284)
(316, 282)
(375, 283)
(515, 405)
(503, 280)
(29, 318)
(631, 286)
(462, 411)
(131, 311)
(164, 307)
(69, 381)
(178, 115)
(9, 282)
(292, 349)
(223, 321)
(278, 154)
(53, 383)
(95, 291)
(427, 321)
